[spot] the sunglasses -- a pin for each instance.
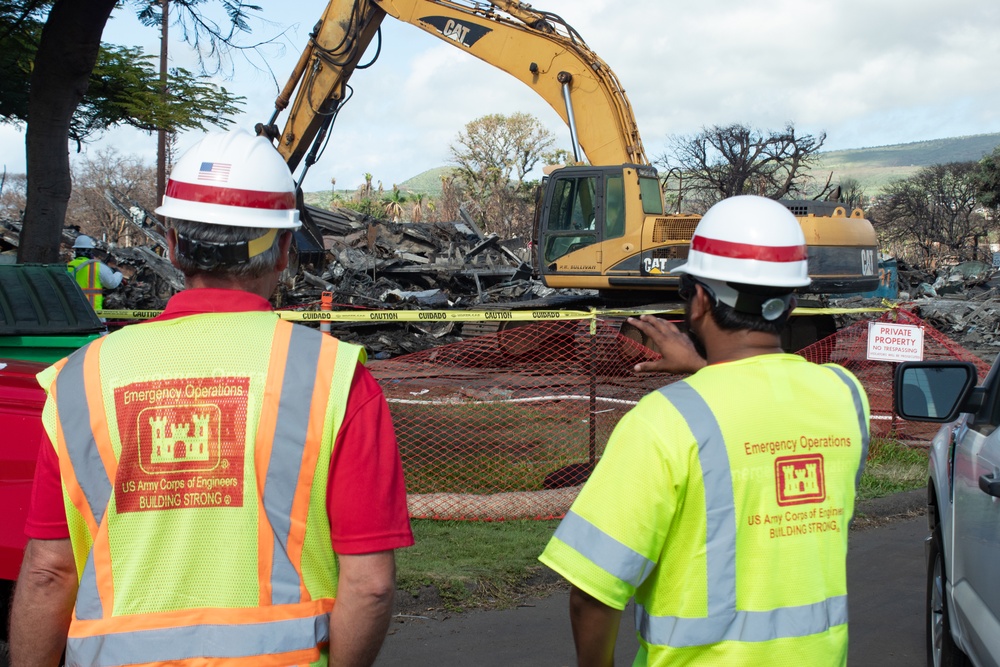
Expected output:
(686, 290)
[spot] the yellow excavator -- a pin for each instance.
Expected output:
(602, 226)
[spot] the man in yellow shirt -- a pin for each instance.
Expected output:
(722, 501)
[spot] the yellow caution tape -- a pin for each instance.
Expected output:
(432, 315)
(128, 314)
(466, 315)
(836, 311)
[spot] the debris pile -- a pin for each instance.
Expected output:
(960, 301)
(371, 263)
(366, 264)
(957, 279)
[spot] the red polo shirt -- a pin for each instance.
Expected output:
(366, 495)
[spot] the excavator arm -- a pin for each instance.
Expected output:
(599, 224)
(334, 51)
(537, 47)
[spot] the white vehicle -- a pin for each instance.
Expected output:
(963, 550)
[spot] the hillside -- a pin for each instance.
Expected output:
(876, 166)
(428, 182)
(873, 167)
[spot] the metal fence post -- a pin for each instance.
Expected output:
(592, 368)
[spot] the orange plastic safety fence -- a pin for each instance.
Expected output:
(507, 425)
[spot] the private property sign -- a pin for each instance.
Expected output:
(895, 342)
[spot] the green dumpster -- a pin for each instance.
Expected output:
(44, 314)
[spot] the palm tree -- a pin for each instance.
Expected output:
(394, 204)
(417, 214)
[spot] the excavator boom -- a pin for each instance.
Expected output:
(538, 48)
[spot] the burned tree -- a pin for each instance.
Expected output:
(936, 211)
(723, 161)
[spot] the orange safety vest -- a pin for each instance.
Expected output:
(282, 483)
(87, 273)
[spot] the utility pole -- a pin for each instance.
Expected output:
(161, 134)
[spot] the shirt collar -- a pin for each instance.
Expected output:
(211, 300)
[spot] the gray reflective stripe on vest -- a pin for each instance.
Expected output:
(720, 507)
(603, 550)
(197, 641)
(291, 427)
(744, 626)
(862, 422)
(74, 418)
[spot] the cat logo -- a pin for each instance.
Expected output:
(799, 479)
(465, 33)
(868, 262)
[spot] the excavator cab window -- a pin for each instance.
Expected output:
(652, 196)
(614, 207)
(573, 216)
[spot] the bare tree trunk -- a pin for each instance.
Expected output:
(66, 56)
(161, 135)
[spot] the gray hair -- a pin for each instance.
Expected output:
(257, 266)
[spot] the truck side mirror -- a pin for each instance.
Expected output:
(933, 391)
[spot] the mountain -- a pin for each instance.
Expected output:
(428, 182)
(876, 166)
(873, 167)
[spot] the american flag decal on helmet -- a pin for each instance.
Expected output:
(214, 171)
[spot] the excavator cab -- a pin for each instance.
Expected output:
(604, 228)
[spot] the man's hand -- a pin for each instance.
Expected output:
(679, 354)
(360, 617)
(43, 603)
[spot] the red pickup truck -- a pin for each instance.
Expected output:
(44, 316)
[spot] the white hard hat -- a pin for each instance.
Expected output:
(750, 240)
(83, 241)
(234, 179)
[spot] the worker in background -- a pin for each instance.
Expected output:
(92, 275)
(222, 486)
(722, 501)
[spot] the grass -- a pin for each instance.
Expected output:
(473, 563)
(488, 447)
(493, 564)
(891, 468)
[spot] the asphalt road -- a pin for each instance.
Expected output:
(886, 577)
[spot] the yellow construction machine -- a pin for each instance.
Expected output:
(602, 226)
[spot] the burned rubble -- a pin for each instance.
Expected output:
(366, 264)
(961, 301)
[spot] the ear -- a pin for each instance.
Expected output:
(172, 246)
(700, 305)
(284, 245)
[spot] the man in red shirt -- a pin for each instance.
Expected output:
(219, 484)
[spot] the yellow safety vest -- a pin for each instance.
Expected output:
(87, 273)
(722, 505)
(195, 489)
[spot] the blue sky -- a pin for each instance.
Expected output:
(867, 72)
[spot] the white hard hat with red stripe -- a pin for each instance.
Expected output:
(234, 179)
(750, 240)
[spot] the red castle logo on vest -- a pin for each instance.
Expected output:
(799, 479)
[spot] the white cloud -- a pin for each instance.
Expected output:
(867, 72)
